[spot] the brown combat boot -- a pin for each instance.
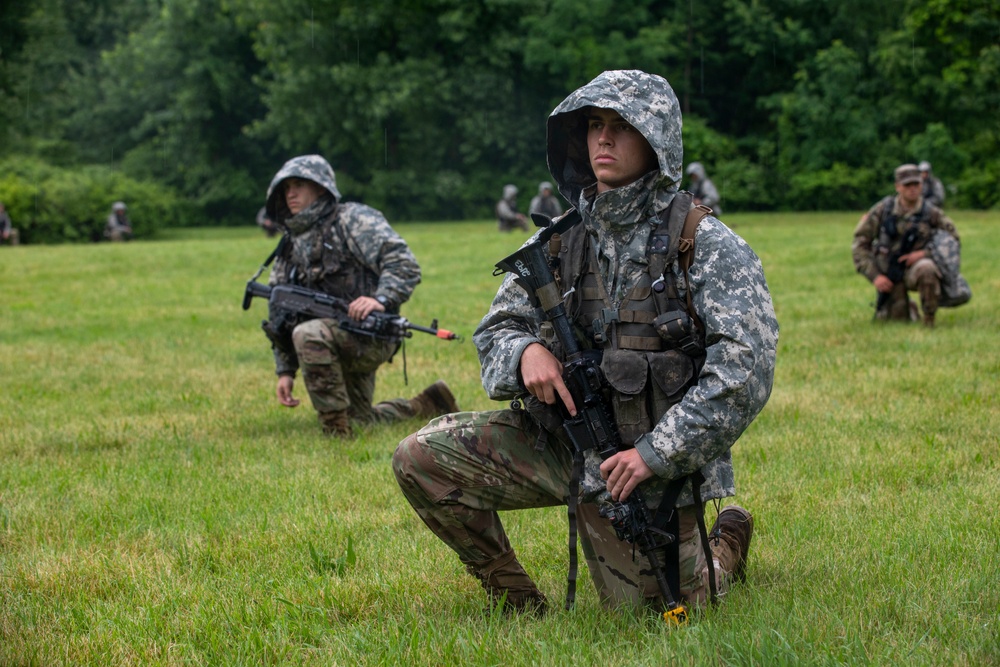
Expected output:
(436, 400)
(506, 582)
(730, 540)
(336, 423)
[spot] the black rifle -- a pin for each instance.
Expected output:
(594, 426)
(896, 268)
(297, 300)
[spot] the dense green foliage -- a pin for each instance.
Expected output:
(158, 507)
(427, 107)
(52, 204)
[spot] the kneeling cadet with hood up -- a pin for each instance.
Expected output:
(614, 150)
(346, 250)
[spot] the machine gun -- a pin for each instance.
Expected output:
(594, 426)
(298, 301)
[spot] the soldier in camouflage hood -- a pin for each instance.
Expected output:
(614, 151)
(508, 218)
(349, 251)
(118, 227)
(545, 203)
(703, 188)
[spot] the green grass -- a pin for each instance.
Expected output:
(158, 507)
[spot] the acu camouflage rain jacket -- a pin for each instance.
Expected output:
(727, 286)
(343, 249)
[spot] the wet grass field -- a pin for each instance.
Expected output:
(158, 507)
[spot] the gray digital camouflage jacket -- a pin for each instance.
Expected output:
(329, 234)
(727, 287)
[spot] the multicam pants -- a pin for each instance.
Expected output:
(924, 277)
(461, 469)
(338, 369)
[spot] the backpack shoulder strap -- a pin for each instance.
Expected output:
(674, 237)
(686, 245)
(665, 238)
(686, 253)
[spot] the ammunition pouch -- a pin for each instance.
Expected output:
(677, 329)
(638, 403)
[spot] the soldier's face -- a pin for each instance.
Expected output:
(909, 192)
(300, 193)
(619, 154)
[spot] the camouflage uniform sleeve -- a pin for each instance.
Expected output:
(730, 295)
(376, 244)
(286, 362)
(861, 249)
(508, 328)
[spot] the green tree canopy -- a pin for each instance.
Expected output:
(427, 107)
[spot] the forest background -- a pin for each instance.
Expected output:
(185, 108)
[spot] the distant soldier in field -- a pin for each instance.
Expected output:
(703, 188)
(119, 227)
(545, 202)
(346, 250)
(508, 218)
(682, 391)
(266, 223)
(931, 187)
(893, 248)
(8, 233)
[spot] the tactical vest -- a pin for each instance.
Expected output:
(338, 273)
(892, 231)
(652, 345)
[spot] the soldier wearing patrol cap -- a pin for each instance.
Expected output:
(893, 249)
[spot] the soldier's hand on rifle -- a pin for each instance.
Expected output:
(362, 307)
(284, 391)
(912, 258)
(882, 283)
(623, 472)
(542, 373)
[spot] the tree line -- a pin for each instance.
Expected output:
(426, 108)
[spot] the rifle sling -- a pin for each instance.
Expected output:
(574, 492)
(666, 518)
(277, 250)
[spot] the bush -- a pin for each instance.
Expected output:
(743, 184)
(53, 205)
(977, 187)
(836, 189)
